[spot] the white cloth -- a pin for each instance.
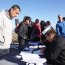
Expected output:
(6, 27)
(38, 61)
(28, 56)
(31, 58)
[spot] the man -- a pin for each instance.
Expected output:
(6, 28)
(60, 26)
(55, 47)
(23, 32)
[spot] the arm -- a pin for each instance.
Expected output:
(57, 29)
(2, 39)
(56, 49)
(55, 53)
(21, 30)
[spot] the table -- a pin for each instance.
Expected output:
(35, 47)
(31, 56)
(10, 59)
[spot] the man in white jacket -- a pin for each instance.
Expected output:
(6, 28)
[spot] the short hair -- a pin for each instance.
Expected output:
(59, 16)
(48, 22)
(16, 6)
(37, 20)
(27, 18)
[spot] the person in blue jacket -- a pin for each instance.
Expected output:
(60, 26)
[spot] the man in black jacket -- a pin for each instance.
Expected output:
(55, 48)
(23, 32)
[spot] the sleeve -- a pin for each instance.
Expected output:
(57, 49)
(55, 53)
(38, 27)
(21, 31)
(57, 29)
(2, 39)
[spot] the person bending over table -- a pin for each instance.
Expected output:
(55, 48)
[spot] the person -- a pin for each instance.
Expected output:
(16, 25)
(55, 47)
(60, 26)
(6, 28)
(36, 33)
(48, 23)
(16, 22)
(43, 25)
(63, 18)
(23, 32)
(30, 30)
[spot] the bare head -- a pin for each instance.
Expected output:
(14, 11)
(60, 18)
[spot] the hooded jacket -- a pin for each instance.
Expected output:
(6, 30)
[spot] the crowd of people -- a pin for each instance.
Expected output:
(30, 31)
(44, 32)
(27, 30)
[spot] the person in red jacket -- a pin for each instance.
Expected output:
(36, 31)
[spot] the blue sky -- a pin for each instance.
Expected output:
(46, 10)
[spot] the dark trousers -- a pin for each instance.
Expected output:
(3, 52)
(36, 39)
(22, 43)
